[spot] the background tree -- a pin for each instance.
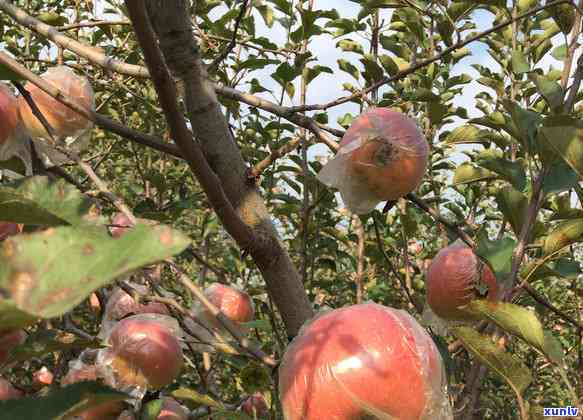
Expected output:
(214, 118)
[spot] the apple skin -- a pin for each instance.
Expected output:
(61, 118)
(9, 340)
(144, 353)
(42, 377)
(123, 225)
(362, 360)
(9, 229)
(233, 303)
(121, 304)
(9, 118)
(451, 279)
(172, 410)
(7, 391)
(255, 405)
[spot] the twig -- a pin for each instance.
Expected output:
(575, 32)
(423, 63)
(93, 24)
(359, 275)
(452, 227)
(574, 88)
(98, 119)
(392, 268)
(224, 321)
(544, 302)
(290, 146)
(219, 58)
(221, 274)
(101, 185)
(77, 47)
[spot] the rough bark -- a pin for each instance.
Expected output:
(171, 22)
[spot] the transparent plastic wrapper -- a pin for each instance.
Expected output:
(120, 304)
(456, 277)
(7, 390)
(234, 303)
(144, 353)
(382, 156)
(85, 369)
(363, 360)
(68, 125)
(13, 139)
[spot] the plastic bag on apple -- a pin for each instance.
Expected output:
(363, 360)
(145, 352)
(13, 138)
(382, 156)
(68, 125)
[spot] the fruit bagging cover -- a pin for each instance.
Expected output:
(382, 156)
(363, 360)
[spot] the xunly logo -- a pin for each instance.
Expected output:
(561, 411)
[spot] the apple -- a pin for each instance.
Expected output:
(120, 304)
(7, 390)
(383, 156)
(9, 229)
(363, 361)
(9, 118)
(233, 303)
(172, 410)
(255, 406)
(121, 224)
(9, 340)
(80, 371)
(144, 353)
(42, 377)
(61, 118)
(452, 279)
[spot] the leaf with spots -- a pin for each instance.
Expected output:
(40, 201)
(46, 274)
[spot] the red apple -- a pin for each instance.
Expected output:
(121, 224)
(9, 118)
(9, 229)
(42, 377)
(382, 156)
(61, 118)
(79, 372)
(363, 361)
(255, 406)
(172, 410)
(7, 391)
(120, 304)
(9, 340)
(144, 353)
(233, 303)
(452, 280)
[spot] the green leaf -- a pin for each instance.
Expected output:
(512, 204)
(565, 136)
(436, 111)
(549, 89)
(519, 62)
(467, 173)
(498, 254)
(560, 178)
(310, 73)
(514, 319)
(7, 74)
(560, 53)
(188, 394)
(564, 234)
(152, 410)
(349, 45)
(46, 274)
(512, 171)
(471, 134)
(60, 403)
(504, 364)
(267, 15)
(40, 201)
(349, 68)
(52, 18)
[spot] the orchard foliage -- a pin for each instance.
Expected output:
(494, 88)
